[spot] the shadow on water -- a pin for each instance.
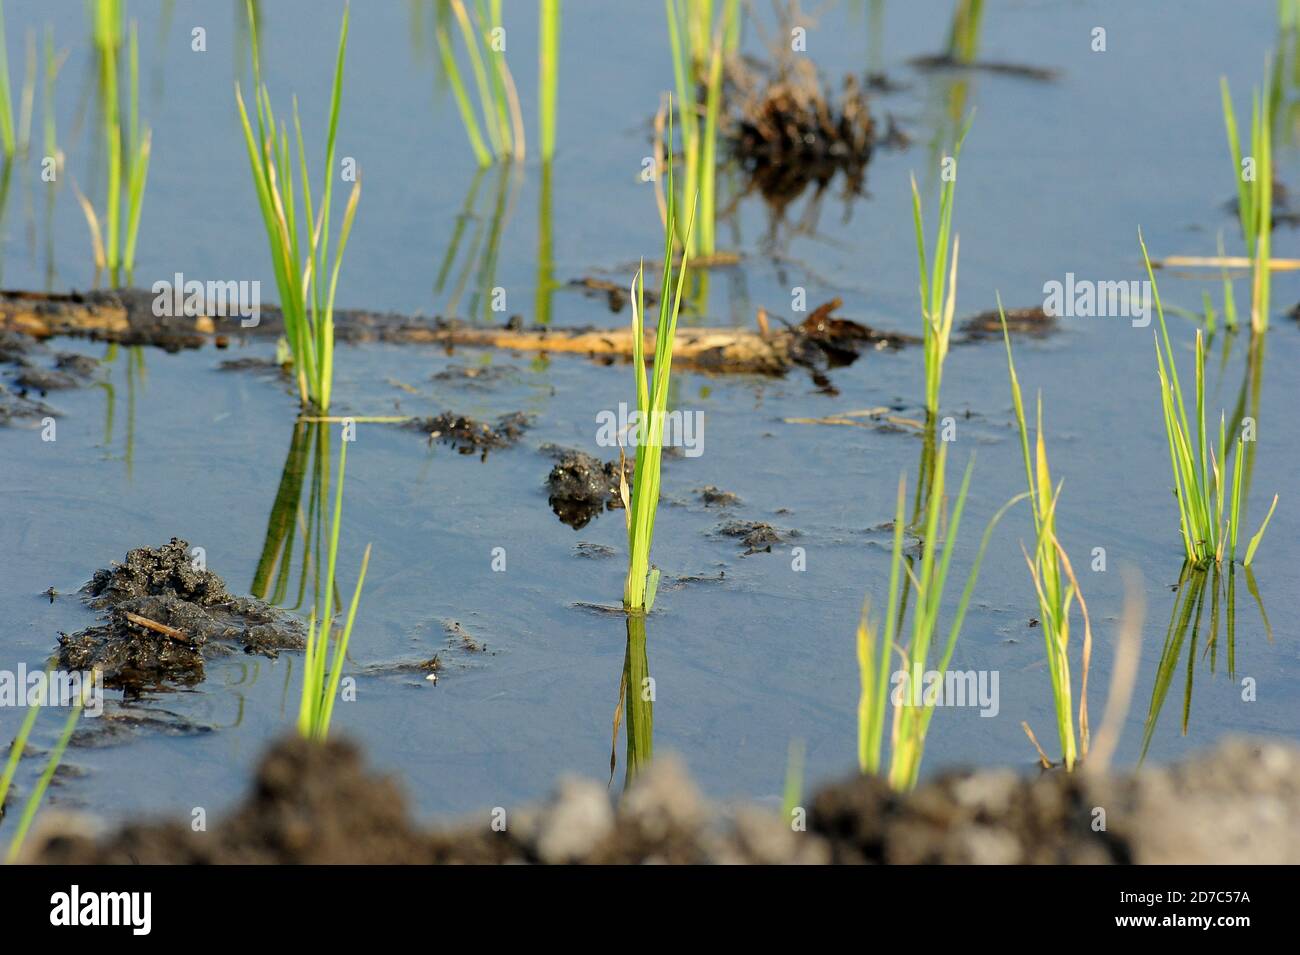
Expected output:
(636, 704)
(1192, 618)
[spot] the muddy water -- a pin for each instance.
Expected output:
(1055, 178)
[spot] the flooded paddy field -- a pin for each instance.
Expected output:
(491, 653)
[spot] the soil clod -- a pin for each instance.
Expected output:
(164, 616)
(471, 436)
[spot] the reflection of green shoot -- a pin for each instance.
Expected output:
(288, 521)
(1186, 619)
(300, 261)
(481, 247)
(1054, 581)
(1208, 489)
(498, 98)
(1254, 176)
(636, 702)
(323, 663)
(938, 284)
(42, 784)
(652, 403)
(876, 650)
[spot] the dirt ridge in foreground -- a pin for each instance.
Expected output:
(1237, 803)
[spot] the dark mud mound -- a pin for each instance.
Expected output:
(1033, 322)
(470, 436)
(581, 486)
(164, 615)
(318, 804)
(757, 536)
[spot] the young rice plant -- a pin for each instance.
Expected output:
(1055, 584)
(652, 404)
(1254, 176)
(876, 650)
(938, 281)
(1207, 486)
(297, 231)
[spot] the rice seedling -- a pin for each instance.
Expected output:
(300, 260)
(548, 69)
(964, 32)
(8, 140)
(652, 403)
(876, 649)
(1254, 177)
(698, 42)
(1055, 584)
(1207, 485)
(938, 281)
(498, 99)
(115, 249)
(792, 792)
(324, 658)
(42, 784)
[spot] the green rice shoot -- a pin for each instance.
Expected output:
(323, 661)
(1055, 584)
(297, 231)
(1207, 485)
(1254, 190)
(652, 403)
(8, 138)
(114, 247)
(877, 649)
(964, 31)
(548, 69)
(938, 281)
(498, 99)
(42, 784)
(698, 42)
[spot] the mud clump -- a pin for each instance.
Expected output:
(581, 486)
(757, 536)
(318, 803)
(21, 408)
(68, 370)
(713, 496)
(470, 436)
(164, 617)
(474, 376)
(1034, 322)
